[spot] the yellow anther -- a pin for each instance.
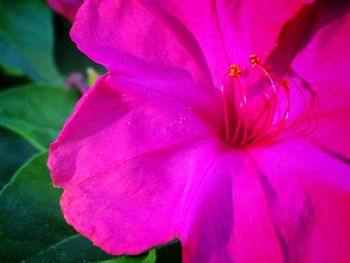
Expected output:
(254, 59)
(235, 71)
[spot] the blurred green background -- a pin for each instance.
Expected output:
(36, 57)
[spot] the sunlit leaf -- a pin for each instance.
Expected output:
(26, 39)
(31, 223)
(36, 112)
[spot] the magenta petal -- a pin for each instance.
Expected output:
(228, 220)
(138, 204)
(132, 122)
(207, 225)
(141, 160)
(127, 164)
(248, 27)
(67, 8)
(229, 31)
(323, 63)
(203, 37)
(308, 194)
(155, 84)
(122, 34)
(135, 177)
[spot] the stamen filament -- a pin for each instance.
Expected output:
(227, 131)
(245, 128)
(273, 117)
(268, 120)
(242, 101)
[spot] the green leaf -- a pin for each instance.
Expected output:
(150, 257)
(30, 217)
(26, 39)
(36, 112)
(31, 223)
(70, 250)
(14, 151)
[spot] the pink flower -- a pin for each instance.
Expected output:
(243, 157)
(67, 8)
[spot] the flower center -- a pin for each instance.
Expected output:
(257, 106)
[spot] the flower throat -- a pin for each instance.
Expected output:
(257, 106)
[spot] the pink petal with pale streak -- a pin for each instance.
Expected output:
(324, 64)
(178, 85)
(247, 27)
(308, 194)
(110, 125)
(279, 203)
(124, 34)
(127, 164)
(67, 8)
(138, 203)
(284, 203)
(203, 37)
(229, 220)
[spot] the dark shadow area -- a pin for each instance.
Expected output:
(170, 253)
(298, 32)
(67, 56)
(10, 79)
